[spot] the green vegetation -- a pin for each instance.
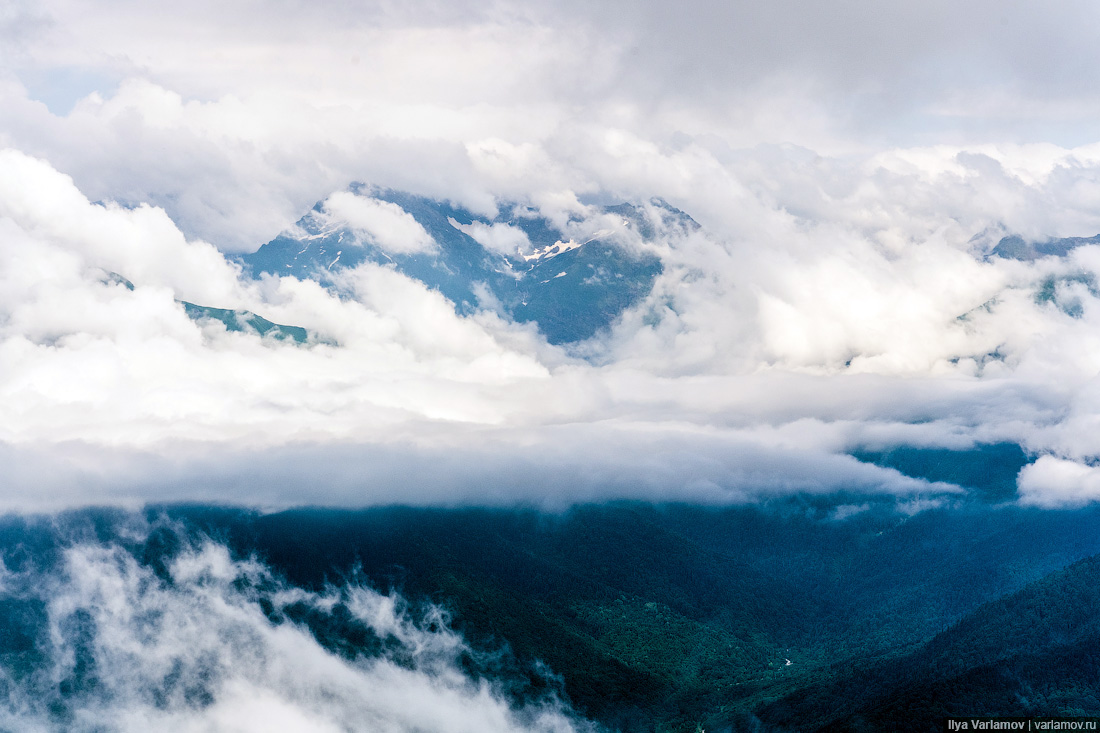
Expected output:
(667, 618)
(988, 471)
(243, 321)
(1035, 652)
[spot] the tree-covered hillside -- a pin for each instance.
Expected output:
(670, 617)
(796, 615)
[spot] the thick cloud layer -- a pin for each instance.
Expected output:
(743, 374)
(852, 168)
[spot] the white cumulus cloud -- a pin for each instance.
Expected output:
(380, 222)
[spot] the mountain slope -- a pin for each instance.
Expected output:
(569, 285)
(1035, 652)
(670, 617)
(246, 322)
(1015, 247)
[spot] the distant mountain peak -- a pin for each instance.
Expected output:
(570, 282)
(1015, 247)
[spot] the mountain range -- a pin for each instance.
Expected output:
(569, 285)
(570, 277)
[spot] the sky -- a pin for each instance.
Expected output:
(852, 166)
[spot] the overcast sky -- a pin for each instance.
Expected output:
(852, 164)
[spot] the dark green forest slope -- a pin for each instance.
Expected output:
(1033, 653)
(666, 618)
(801, 614)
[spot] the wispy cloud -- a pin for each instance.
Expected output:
(213, 643)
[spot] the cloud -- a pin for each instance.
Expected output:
(748, 372)
(384, 224)
(498, 237)
(248, 128)
(859, 64)
(1056, 482)
(194, 649)
(426, 464)
(852, 169)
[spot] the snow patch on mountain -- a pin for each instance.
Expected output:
(554, 249)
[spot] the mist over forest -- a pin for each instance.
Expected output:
(547, 366)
